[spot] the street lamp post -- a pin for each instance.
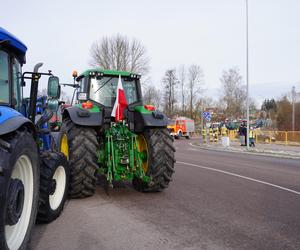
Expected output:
(247, 76)
(293, 106)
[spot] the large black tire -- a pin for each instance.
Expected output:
(82, 156)
(54, 186)
(161, 160)
(19, 170)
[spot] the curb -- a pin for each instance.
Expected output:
(252, 152)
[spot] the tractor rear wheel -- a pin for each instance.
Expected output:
(54, 185)
(157, 145)
(19, 189)
(79, 144)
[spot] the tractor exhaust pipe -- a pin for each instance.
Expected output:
(36, 67)
(33, 91)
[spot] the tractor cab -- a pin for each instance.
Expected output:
(100, 87)
(12, 57)
(12, 80)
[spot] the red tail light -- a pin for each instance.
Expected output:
(149, 107)
(87, 105)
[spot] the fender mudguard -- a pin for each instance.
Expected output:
(139, 120)
(83, 117)
(11, 120)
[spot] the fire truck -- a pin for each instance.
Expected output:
(181, 127)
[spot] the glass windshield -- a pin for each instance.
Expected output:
(104, 90)
(4, 87)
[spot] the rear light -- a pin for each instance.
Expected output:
(87, 105)
(149, 107)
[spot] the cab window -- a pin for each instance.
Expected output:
(82, 84)
(4, 77)
(17, 75)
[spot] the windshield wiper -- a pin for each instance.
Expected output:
(103, 85)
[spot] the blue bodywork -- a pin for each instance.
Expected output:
(14, 43)
(7, 113)
(11, 120)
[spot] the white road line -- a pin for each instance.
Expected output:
(192, 149)
(240, 176)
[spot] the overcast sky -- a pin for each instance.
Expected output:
(210, 33)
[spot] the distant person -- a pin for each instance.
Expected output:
(242, 134)
(251, 137)
(224, 131)
(245, 134)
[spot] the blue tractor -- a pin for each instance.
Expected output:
(33, 176)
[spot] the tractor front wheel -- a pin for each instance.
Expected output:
(19, 188)
(158, 164)
(79, 144)
(54, 185)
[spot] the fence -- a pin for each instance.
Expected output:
(276, 137)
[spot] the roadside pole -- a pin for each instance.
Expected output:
(202, 110)
(247, 76)
(293, 105)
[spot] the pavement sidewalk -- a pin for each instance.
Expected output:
(276, 150)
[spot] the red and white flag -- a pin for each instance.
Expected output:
(120, 103)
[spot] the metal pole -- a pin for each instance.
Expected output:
(202, 110)
(247, 75)
(293, 103)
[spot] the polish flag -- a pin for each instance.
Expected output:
(120, 103)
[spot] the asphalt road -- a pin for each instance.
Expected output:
(217, 200)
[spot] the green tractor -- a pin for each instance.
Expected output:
(134, 147)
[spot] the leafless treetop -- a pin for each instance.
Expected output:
(119, 53)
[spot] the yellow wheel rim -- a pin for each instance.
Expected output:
(64, 146)
(143, 148)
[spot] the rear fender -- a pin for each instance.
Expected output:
(140, 118)
(83, 117)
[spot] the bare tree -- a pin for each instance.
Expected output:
(182, 81)
(284, 114)
(152, 95)
(195, 82)
(169, 81)
(119, 53)
(207, 102)
(234, 94)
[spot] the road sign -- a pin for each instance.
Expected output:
(206, 114)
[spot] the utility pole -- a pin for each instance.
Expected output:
(293, 103)
(247, 76)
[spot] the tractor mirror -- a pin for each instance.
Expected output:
(53, 105)
(53, 87)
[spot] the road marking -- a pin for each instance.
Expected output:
(240, 176)
(192, 149)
